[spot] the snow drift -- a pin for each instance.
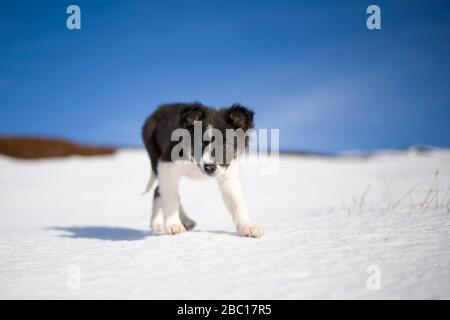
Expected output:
(344, 227)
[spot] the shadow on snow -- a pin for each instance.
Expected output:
(105, 233)
(118, 233)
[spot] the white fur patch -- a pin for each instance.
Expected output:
(169, 175)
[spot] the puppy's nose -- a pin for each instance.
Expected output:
(210, 168)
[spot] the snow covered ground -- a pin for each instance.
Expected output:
(344, 227)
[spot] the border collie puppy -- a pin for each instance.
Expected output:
(211, 142)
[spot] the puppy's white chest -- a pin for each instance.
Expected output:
(192, 171)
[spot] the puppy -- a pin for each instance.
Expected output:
(200, 142)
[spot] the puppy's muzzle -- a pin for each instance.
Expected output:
(210, 168)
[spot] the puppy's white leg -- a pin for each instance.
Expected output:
(157, 220)
(233, 197)
(169, 178)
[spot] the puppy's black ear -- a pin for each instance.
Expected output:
(240, 117)
(190, 114)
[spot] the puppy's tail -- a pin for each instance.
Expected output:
(150, 183)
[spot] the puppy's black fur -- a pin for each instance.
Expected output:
(158, 128)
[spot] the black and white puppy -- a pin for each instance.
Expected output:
(213, 155)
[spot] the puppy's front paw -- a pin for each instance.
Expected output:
(249, 231)
(158, 227)
(175, 228)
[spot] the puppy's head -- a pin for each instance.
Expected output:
(218, 136)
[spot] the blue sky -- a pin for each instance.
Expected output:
(310, 68)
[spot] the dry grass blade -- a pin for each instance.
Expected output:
(396, 204)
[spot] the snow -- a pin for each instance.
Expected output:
(78, 228)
